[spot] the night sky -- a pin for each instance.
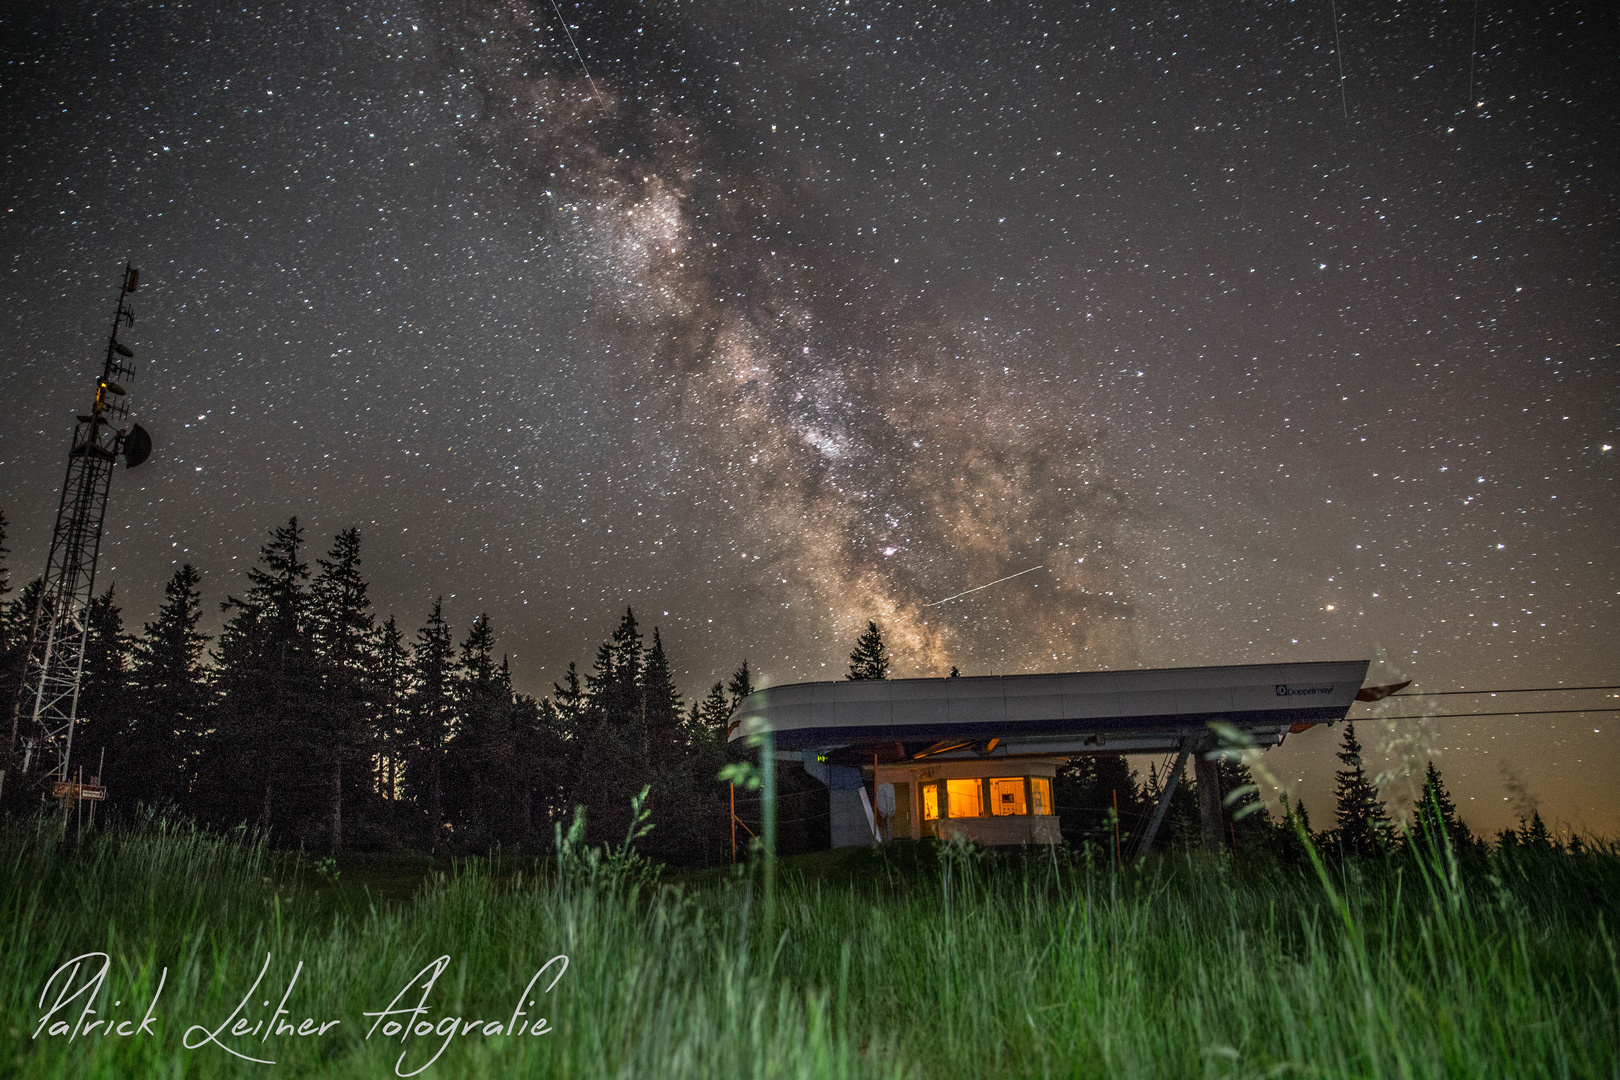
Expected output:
(789, 317)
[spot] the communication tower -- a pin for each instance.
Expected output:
(61, 624)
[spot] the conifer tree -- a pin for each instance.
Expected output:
(273, 617)
(1295, 812)
(340, 608)
(5, 567)
(158, 747)
(11, 654)
(1250, 829)
(390, 680)
(609, 761)
(568, 703)
(479, 757)
(431, 707)
(870, 660)
(536, 762)
(1535, 835)
(661, 708)
(615, 682)
(20, 621)
(1363, 823)
(344, 632)
(19, 613)
(1294, 831)
(270, 686)
(102, 684)
(1436, 814)
(711, 715)
(740, 686)
(1086, 791)
(1181, 826)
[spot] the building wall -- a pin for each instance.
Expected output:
(852, 824)
(850, 827)
(1011, 829)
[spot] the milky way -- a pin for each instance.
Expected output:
(803, 316)
(852, 446)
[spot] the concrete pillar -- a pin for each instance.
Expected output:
(1209, 802)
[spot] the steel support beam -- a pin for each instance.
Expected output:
(1144, 843)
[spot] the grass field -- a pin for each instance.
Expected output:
(917, 961)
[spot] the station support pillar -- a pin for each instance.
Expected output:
(1209, 802)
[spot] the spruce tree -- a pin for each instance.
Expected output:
(536, 765)
(661, 704)
(102, 685)
(340, 608)
(1363, 823)
(19, 613)
(344, 631)
(712, 715)
(19, 623)
(1294, 832)
(740, 686)
(1249, 825)
(676, 795)
(168, 716)
(5, 568)
(479, 756)
(11, 655)
(1436, 813)
(390, 681)
(614, 684)
(1535, 835)
(1299, 812)
(609, 762)
(568, 703)
(271, 691)
(870, 660)
(431, 709)
(1086, 791)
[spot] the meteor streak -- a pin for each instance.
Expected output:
(976, 588)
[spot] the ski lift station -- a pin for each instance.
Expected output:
(975, 757)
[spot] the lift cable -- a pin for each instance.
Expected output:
(1468, 715)
(1525, 690)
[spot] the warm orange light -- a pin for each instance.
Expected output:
(965, 798)
(1040, 790)
(1007, 796)
(930, 795)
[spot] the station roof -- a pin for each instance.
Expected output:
(1067, 713)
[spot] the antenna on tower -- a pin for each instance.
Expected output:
(61, 621)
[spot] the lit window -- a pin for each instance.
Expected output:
(965, 798)
(1040, 790)
(1007, 796)
(930, 802)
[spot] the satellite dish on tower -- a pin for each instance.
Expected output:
(137, 446)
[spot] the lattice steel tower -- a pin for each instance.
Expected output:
(61, 624)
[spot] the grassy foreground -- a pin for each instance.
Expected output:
(914, 962)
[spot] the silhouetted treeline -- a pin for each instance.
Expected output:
(1102, 801)
(312, 720)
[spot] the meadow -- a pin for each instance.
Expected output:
(916, 960)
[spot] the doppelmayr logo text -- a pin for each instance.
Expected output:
(1284, 690)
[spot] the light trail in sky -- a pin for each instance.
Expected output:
(976, 588)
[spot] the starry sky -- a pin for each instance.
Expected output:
(1254, 332)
